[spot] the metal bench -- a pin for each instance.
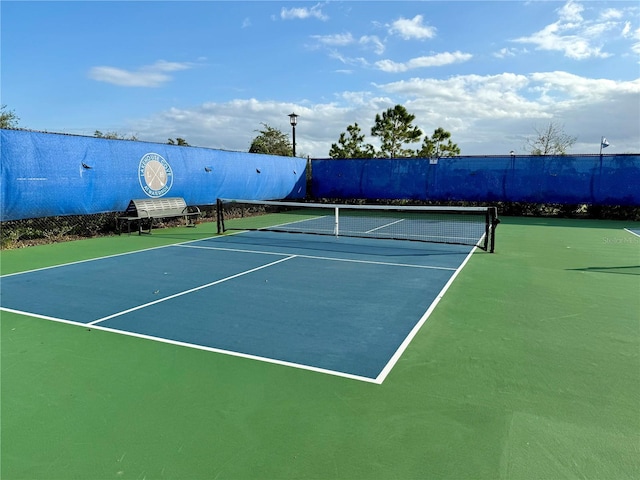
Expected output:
(149, 209)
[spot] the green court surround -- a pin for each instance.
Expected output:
(529, 368)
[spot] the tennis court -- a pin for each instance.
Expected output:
(187, 354)
(340, 305)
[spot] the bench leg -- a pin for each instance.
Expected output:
(119, 223)
(141, 226)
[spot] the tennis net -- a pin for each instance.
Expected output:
(437, 224)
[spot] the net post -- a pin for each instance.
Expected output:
(487, 230)
(336, 227)
(494, 224)
(219, 216)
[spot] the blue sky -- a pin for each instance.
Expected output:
(212, 73)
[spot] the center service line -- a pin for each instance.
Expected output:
(384, 226)
(160, 300)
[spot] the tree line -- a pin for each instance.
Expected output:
(393, 128)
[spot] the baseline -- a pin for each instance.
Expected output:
(196, 346)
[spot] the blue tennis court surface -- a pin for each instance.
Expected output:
(343, 306)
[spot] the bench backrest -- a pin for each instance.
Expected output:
(156, 207)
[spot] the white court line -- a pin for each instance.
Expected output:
(378, 380)
(304, 220)
(384, 226)
(105, 257)
(632, 232)
(396, 356)
(191, 290)
(195, 346)
(43, 317)
(314, 257)
(82, 261)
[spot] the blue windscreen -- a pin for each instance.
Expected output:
(570, 179)
(47, 174)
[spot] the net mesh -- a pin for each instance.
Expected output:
(455, 225)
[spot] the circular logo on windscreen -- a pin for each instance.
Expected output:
(155, 175)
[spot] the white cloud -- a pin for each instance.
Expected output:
(571, 12)
(576, 37)
(506, 52)
(146, 76)
(490, 114)
(635, 48)
(374, 41)
(568, 85)
(334, 40)
(611, 14)
(355, 61)
(486, 113)
(573, 46)
(437, 60)
(301, 13)
(634, 35)
(412, 28)
(468, 98)
(371, 42)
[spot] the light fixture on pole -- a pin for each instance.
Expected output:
(293, 120)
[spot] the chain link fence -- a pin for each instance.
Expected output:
(38, 231)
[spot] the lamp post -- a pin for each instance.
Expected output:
(293, 120)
